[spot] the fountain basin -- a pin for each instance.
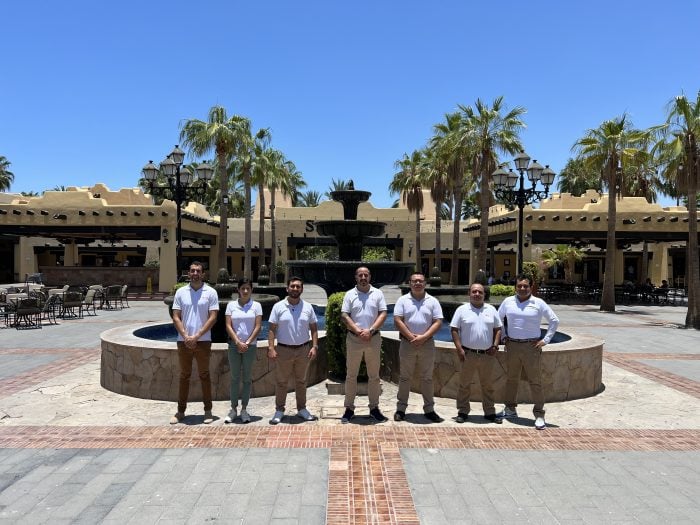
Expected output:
(148, 369)
(571, 369)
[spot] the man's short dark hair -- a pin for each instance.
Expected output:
(523, 277)
(197, 263)
(295, 278)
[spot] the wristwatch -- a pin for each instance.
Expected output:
(372, 331)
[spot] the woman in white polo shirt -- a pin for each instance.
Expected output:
(243, 322)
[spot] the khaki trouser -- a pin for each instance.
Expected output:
(185, 356)
(484, 365)
(423, 357)
(291, 362)
(524, 356)
(357, 349)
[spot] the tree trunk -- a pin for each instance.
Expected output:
(222, 241)
(438, 232)
(484, 202)
(455, 232)
(261, 233)
(247, 234)
(418, 265)
(692, 319)
(273, 237)
(607, 303)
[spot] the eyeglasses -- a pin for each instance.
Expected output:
(417, 282)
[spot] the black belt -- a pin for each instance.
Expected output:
(523, 340)
(293, 346)
(474, 350)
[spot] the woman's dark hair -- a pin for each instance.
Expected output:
(245, 280)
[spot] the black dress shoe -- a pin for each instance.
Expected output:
(493, 418)
(377, 415)
(461, 417)
(432, 416)
(399, 416)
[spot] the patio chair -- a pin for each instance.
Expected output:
(89, 301)
(72, 307)
(125, 296)
(28, 314)
(113, 297)
(50, 307)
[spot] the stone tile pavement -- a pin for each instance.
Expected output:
(75, 453)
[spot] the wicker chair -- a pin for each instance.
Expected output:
(113, 297)
(72, 301)
(89, 301)
(27, 314)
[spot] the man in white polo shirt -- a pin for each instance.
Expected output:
(522, 315)
(417, 317)
(476, 332)
(363, 312)
(195, 307)
(291, 321)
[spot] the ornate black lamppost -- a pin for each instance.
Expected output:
(506, 191)
(181, 185)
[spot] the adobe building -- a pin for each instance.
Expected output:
(95, 235)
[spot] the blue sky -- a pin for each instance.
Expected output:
(91, 91)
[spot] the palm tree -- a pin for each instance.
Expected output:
(577, 177)
(225, 136)
(286, 178)
(608, 148)
(309, 199)
(260, 168)
(679, 154)
(454, 154)
(565, 255)
(487, 132)
(437, 179)
(408, 183)
(244, 164)
(6, 176)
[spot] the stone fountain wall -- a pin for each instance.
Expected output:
(149, 369)
(570, 370)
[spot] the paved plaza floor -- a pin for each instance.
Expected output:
(73, 452)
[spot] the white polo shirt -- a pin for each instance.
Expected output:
(293, 322)
(476, 325)
(363, 307)
(524, 318)
(418, 314)
(194, 306)
(243, 317)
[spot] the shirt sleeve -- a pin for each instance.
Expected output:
(213, 300)
(456, 318)
(437, 310)
(274, 315)
(553, 321)
(257, 308)
(398, 307)
(177, 301)
(382, 302)
(346, 307)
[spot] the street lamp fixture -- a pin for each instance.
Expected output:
(181, 186)
(505, 182)
(410, 248)
(279, 247)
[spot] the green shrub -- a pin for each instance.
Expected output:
(335, 337)
(177, 286)
(503, 290)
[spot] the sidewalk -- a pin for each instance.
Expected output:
(629, 453)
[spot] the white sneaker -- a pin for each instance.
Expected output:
(279, 414)
(305, 415)
(231, 416)
(539, 423)
(245, 417)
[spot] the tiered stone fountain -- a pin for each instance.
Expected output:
(350, 235)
